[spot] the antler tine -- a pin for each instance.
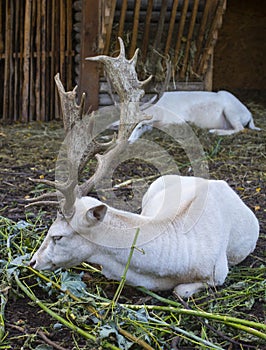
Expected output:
(72, 112)
(41, 202)
(123, 75)
(80, 143)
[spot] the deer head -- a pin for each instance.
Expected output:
(80, 143)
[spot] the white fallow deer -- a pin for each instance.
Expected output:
(221, 112)
(189, 230)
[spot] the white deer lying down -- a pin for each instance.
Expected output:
(221, 112)
(191, 230)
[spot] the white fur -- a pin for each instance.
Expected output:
(191, 230)
(221, 112)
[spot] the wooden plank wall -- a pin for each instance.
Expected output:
(184, 31)
(35, 43)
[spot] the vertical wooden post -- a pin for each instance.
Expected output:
(181, 27)
(146, 35)
(89, 73)
(43, 60)
(135, 28)
(26, 64)
(38, 62)
(209, 75)
(171, 27)
(189, 38)
(6, 99)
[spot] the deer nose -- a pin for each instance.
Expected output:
(32, 263)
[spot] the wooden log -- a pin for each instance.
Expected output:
(189, 38)
(26, 64)
(171, 27)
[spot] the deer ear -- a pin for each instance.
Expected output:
(97, 212)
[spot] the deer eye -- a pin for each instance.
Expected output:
(56, 238)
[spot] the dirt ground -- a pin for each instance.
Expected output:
(31, 151)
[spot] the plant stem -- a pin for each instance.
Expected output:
(221, 318)
(238, 323)
(123, 277)
(187, 334)
(59, 318)
(2, 316)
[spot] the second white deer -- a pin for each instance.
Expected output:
(221, 112)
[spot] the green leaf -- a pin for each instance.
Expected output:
(73, 283)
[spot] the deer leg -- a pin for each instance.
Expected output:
(187, 289)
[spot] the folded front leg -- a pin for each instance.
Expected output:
(186, 290)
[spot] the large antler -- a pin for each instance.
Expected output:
(80, 142)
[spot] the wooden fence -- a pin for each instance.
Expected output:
(39, 38)
(184, 31)
(35, 43)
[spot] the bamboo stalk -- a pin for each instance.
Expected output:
(135, 28)
(26, 64)
(189, 38)
(145, 42)
(181, 30)
(171, 27)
